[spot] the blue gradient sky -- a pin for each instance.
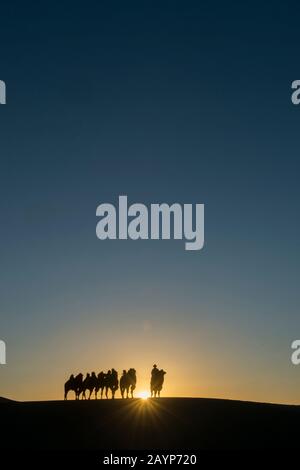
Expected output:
(165, 102)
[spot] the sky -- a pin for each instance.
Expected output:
(184, 102)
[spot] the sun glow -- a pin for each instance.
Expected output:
(144, 395)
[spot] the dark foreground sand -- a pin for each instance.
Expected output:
(166, 423)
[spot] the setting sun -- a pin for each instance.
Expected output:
(144, 395)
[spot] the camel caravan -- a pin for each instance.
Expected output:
(108, 383)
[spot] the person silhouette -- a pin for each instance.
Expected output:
(85, 385)
(123, 383)
(107, 382)
(154, 372)
(114, 382)
(100, 384)
(92, 383)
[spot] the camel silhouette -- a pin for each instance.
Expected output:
(157, 381)
(74, 384)
(128, 383)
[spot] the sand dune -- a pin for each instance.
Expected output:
(166, 423)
